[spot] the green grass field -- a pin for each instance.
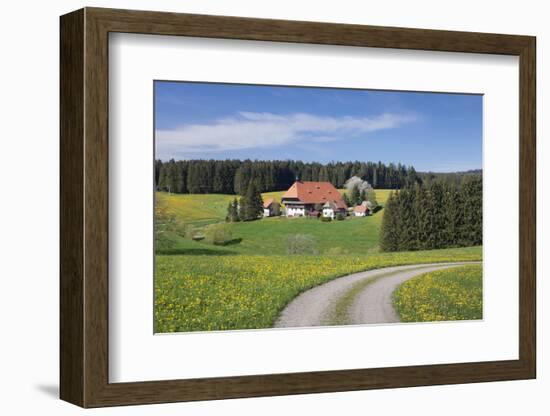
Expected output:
(245, 284)
(202, 209)
(203, 293)
(269, 235)
(444, 295)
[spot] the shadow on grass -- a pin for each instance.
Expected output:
(199, 251)
(231, 242)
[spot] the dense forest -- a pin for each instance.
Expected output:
(439, 213)
(234, 176)
(450, 177)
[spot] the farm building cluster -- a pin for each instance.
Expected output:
(314, 199)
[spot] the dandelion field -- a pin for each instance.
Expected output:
(200, 286)
(219, 292)
(444, 295)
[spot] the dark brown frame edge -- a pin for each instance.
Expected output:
(84, 207)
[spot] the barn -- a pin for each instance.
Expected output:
(305, 197)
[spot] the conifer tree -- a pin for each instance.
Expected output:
(163, 178)
(346, 199)
(371, 197)
(472, 195)
(251, 206)
(453, 216)
(422, 213)
(407, 239)
(233, 211)
(389, 230)
(355, 196)
(437, 215)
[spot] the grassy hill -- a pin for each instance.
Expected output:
(200, 286)
(197, 209)
(203, 209)
(268, 236)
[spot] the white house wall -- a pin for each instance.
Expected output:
(295, 212)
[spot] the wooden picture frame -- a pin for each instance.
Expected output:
(84, 207)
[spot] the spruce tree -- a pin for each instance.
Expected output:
(472, 195)
(163, 178)
(371, 197)
(346, 199)
(421, 209)
(453, 216)
(433, 216)
(407, 231)
(201, 176)
(389, 230)
(355, 197)
(438, 215)
(172, 180)
(233, 211)
(251, 206)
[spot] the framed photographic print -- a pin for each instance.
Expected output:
(255, 207)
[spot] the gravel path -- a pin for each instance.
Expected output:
(369, 303)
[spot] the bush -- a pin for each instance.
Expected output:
(301, 244)
(218, 234)
(180, 228)
(325, 219)
(340, 216)
(376, 209)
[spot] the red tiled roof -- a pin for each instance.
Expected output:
(361, 208)
(268, 202)
(315, 193)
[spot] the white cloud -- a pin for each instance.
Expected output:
(261, 130)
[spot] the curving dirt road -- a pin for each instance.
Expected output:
(360, 298)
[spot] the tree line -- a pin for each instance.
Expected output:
(235, 176)
(435, 214)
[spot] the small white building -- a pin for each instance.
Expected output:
(330, 209)
(269, 207)
(361, 210)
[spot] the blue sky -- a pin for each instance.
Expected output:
(430, 131)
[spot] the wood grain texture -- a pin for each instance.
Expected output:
(71, 208)
(84, 207)
(528, 207)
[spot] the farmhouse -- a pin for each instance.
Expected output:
(303, 198)
(330, 209)
(361, 210)
(271, 207)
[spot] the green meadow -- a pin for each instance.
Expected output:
(268, 236)
(443, 295)
(200, 286)
(219, 292)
